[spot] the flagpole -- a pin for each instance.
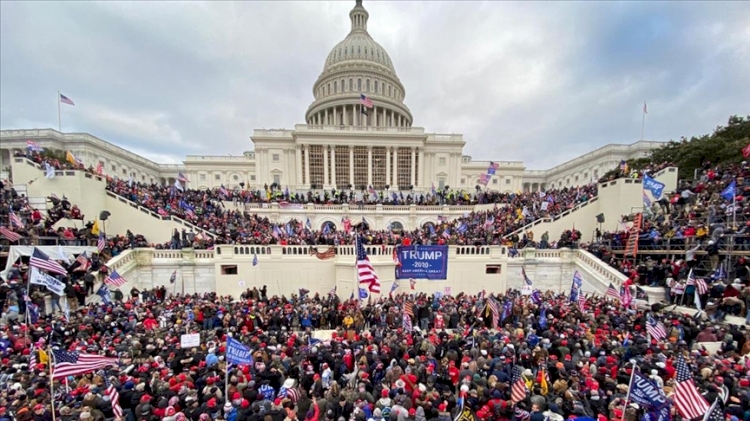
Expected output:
(50, 361)
(59, 121)
(643, 124)
(630, 387)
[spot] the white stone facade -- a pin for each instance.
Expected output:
(339, 146)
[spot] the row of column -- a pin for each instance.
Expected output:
(391, 174)
(340, 116)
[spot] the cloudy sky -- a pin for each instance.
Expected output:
(541, 82)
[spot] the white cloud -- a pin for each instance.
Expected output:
(538, 82)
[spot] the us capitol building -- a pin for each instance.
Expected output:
(343, 143)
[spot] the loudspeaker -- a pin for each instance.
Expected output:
(600, 218)
(104, 215)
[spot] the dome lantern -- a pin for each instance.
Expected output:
(359, 17)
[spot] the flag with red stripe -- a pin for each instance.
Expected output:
(365, 272)
(688, 400)
(10, 235)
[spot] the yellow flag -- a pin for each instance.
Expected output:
(95, 228)
(70, 158)
(43, 358)
(543, 384)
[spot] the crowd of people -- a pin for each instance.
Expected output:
(452, 357)
(692, 229)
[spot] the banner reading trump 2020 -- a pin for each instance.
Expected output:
(422, 262)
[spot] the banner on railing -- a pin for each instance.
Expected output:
(422, 262)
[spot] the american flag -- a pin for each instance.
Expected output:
(688, 400)
(33, 146)
(32, 358)
(99, 168)
(15, 220)
(581, 301)
(407, 323)
(10, 235)
(365, 272)
(518, 389)
(181, 178)
(114, 396)
(716, 413)
(494, 310)
(115, 279)
(409, 308)
(101, 243)
(612, 292)
(66, 100)
(364, 100)
(626, 296)
(83, 263)
(73, 363)
(700, 283)
(655, 329)
(40, 260)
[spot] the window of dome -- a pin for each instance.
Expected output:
(351, 84)
(343, 85)
(359, 50)
(335, 87)
(376, 86)
(329, 89)
(367, 85)
(389, 90)
(365, 50)
(359, 84)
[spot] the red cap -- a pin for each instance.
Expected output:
(236, 396)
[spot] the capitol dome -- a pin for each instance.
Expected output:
(358, 66)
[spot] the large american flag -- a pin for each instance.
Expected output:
(364, 100)
(655, 329)
(10, 235)
(33, 146)
(365, 272)
(406, 324)
(409, 308)
(494, 310)
(688, 400)
(115, 279)
(581, 301)
(66, 363)
(15, 220)
(612, 292)
(83, 263)
(181, 177)
(66, 100)
(40, 260)
(700, 283)
(114, 395)
(518, 388)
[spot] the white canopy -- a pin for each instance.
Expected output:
(54, 252)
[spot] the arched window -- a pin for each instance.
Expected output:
(351, 84)
(359, 50)
(367, 85)
(389, 90)
(376, 86)
(331, 227)
(396, 226)
(359, 85)
(335, 87)
(343, 85)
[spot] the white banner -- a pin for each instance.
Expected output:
(52, 284)
(190, 340)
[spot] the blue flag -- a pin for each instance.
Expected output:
(238, 353)
(729, 192)
(104, 293)
(255, 260)
(655, 187)
(575, 288)
(362, 293)
(543, 318)
(646, 393)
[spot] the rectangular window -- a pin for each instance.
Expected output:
(252, 178)
(493, 269)
(275, 157)
(494, 181)
(360, 167)
(441, 162)
(124, 171)
(277, 179)
(203, 177)
(217, 176)
(228, 269)
(507, 181)
(342, 167)
(441, 183)
(463, 181)
(114, 167)
(316, 165)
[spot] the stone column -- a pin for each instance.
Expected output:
(369, 165)
(395, 167)
(325, 117)
(325, 166)
(346, 120)
(351, 165)
(333, 165)
(298, 169)
(420, 176)
(388, 165)
(307, 165)
(384, 121)
(413, 164)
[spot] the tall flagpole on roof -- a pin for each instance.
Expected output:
(643, 124)
(59, 121)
